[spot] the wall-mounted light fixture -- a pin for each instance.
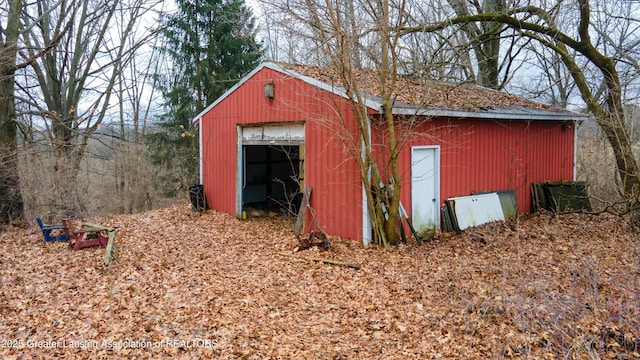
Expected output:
(268, 90)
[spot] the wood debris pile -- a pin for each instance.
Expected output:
(206, 285)
(314, 238)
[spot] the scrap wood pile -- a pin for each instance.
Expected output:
(313, 238)
(560, 196)
(207, 285)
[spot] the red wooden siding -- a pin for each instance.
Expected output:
(337, 196)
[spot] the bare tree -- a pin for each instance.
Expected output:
(484, 38)
(349, 38)
(11, 31)
(136, 95)
(476, 52)
(573, 46)
(71, 87)
(550, 83)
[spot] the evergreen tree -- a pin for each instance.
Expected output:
(211, 45)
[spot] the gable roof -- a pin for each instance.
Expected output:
(419, 96)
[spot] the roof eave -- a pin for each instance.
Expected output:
(494, 114)
(196, 119)
(337, 90)
(370, 101)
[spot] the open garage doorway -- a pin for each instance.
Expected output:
(271, 169)
(272, 177)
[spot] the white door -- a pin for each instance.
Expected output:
(425, 184)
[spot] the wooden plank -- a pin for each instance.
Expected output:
(323, 260)
(403, 213)
(297, 229)
(112, 250)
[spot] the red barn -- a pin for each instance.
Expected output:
(284, 127)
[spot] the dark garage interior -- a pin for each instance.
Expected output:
(272, 177)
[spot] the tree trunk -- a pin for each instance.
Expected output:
(614, 125)
(610, 118)
(485, 40)
(488, 51)
(11, 204)
(388, 73)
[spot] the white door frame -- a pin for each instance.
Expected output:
(436, 200)
(282, 133)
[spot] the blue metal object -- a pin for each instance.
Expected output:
(47, 229)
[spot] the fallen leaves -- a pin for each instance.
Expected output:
(191, 285)
(424, 92)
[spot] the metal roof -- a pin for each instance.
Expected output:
(435, 99)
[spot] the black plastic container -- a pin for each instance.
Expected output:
(196, 193)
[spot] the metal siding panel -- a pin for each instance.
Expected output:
(482, 155)
(337, 201)
(477, 210)
(336, 206)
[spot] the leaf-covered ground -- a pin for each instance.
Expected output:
(191, 285)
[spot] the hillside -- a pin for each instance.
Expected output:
(191, 285)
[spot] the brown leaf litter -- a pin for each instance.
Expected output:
(206, 285)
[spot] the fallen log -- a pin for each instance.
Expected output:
(327, 261)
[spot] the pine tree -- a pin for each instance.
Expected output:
(211, 45)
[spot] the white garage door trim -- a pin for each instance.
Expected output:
(273, 134)
(290, 133)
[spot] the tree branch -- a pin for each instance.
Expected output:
(47, 48)
(583, 27)
(509, 18)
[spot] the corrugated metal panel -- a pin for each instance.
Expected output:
(485, 155)
(336, 199)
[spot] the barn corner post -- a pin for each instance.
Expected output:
(358, 143)
(383, 185)
(369, 173)
(377, 197)
(355, 130)
(344, 61)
